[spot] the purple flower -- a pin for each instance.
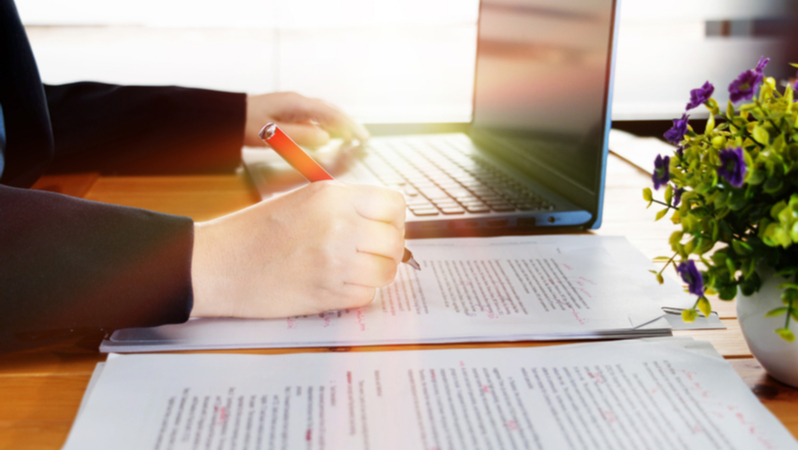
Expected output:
(743, 87)
(692, 277)
(733, 167)
(676, 199)
(661, 172)
(762, 63)
(679, 152)
(675, 134)
(700, 96)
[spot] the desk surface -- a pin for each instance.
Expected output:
(41, 389)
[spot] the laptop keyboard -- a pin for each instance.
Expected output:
(436, 180)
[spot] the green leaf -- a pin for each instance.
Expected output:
(704, 306)
(741, 248)
(761, 135)
(688, 315)
(712, 106)
(710, 124)
(648, 196)
(661, 214)
(668, 194)
(675, 238)
(660, 278)
(785, 334)
(728, 292)
(777, 312)
(730, 112)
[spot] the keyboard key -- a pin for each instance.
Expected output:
(453, 210)
(473, 203)
(455, 192)
(468, 199)
(433, 193)
(493, 198)
(419, 202)
(477, 208)
(445, 203)
(425, 212)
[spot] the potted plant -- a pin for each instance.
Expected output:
(732, 190)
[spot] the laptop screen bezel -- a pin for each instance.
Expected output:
(563, 184)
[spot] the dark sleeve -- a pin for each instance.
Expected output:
(71, 263)
(144, 129)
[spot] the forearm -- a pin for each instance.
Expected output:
(145, 129)
(68, 263)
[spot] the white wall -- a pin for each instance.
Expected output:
(381, 60)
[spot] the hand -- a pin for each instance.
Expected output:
(306, 120)
(323, 247)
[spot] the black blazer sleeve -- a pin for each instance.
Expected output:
(144, 129)
(70, 264)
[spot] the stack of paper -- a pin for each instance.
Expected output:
(469, 290)
(666, 393)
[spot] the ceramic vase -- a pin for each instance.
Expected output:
(778, 357)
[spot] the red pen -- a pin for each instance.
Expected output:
(305, 164)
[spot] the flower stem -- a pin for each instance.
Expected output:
(667, 263)
(665, 204)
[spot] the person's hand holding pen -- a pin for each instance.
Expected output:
(323, 247)
(326, 246)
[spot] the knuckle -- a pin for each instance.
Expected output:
(367, 297)
(389, 273)
(396, 245)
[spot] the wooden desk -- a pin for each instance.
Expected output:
(41, 390)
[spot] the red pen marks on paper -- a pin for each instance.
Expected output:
(223, 415)
(291, 323)
(586, 292)
(512, 425)
(308, 435)
(566, 265)
(609, 416)
(360, 320)
(588, 281)
(580, 319)
(597, 377)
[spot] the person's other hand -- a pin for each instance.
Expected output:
(308, 121)
(323, 247)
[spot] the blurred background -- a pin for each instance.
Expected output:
(390, 61)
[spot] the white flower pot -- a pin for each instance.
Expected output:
(778, 357)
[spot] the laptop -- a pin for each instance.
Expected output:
(534, 155)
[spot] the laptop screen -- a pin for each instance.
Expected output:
(541, 84)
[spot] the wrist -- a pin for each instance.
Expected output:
(205, 283)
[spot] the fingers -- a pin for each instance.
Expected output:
(370, 270)
(306, 134)
(355, 296)
(333, 119)
(380, 239)
(381, 204)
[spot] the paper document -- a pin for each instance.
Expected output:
(490, 289)
(667, 393)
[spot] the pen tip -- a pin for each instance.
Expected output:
(413, 263)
